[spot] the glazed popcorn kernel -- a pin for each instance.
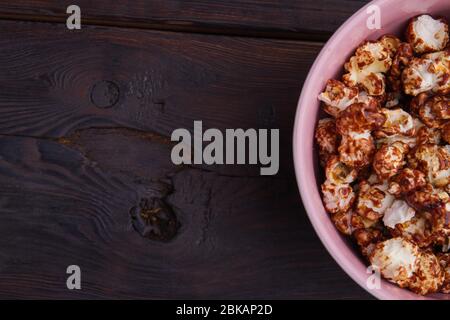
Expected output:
(427, 73)
(337, 197)
(367, 67)
(385, 152)
(418, 229)
(356, 149)
(446, 132)
(397, 259)
(339, 173)
(398, 121)
(398, 213)
(429, 276)
(373, 200)
(426, 34)
(389, 159)
(337, 97)
(444, 260)
(406, 181)
(327, 139)
(359, 118)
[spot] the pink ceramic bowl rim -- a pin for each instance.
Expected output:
(344, 255)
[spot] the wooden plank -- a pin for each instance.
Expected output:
(84, 121)
(55, 81)
(239, 237)
(305, 19)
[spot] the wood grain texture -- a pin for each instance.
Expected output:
(240, 237)
(164, 81)
(275, 18)
(85, 120)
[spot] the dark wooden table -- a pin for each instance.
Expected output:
(85, 123)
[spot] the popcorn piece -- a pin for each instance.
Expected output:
(431, 72)
(373, 200)
(367, 66)
(356, 149)
(389, 159)
(426, 198)
(440, 106)
(441, 223)
(326, 138)
(406, 181)
(391, 43)
(343, 222)
(418, 229)
(446, 132)
(388, 140)
(419, 77)
(393, 99)
(397, 259)
(427, 135)
(444, 260)
(401, 59)
(399, 212)
(337, 97)
(367, 238)
(429, 118)
(434, 161)
(429, 276)
(359, 222)
(339, 173)
(337, 198)
(426, 34)
(398, 121)
(359, 118)
(441, 69)
(418, 101)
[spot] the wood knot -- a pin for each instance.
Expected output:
(154, 219)
(105, 94)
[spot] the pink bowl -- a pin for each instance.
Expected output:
(394, 17)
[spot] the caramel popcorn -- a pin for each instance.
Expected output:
(398, 121)
(440, 106)
(441, 223)
(356, 149)
(445, 133)
(343, 222)
(397, 259)
(399, 212)
(434, 161)
(367, 67)
(401, 59)
(389, 159)
(386, 154)
(426, 198)
(337, 97)
(426, 34)
(367, 239)
(339, 173)
(406, 181)
(359, 118)
(327, 139)
(418, 229)
(429, 276)
(337, 198)
(373, 200)
(427, 73)
(444, 260)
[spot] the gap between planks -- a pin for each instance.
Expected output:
(302, 36)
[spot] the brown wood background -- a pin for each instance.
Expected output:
(74, 169)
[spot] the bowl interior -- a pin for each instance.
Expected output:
(395, 15)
